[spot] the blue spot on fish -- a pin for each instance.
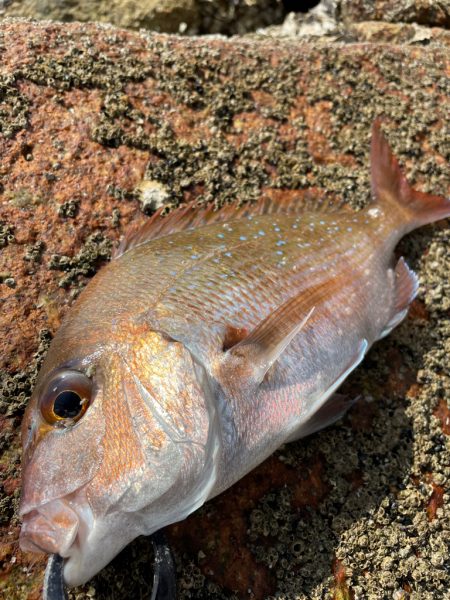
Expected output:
(221, 235)
(242, 238)
(281, 243)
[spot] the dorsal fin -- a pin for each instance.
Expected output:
(192, 215)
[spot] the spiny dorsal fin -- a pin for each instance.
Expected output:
(192, 216)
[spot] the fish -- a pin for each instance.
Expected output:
(212, 338)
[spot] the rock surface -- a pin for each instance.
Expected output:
(91, 118)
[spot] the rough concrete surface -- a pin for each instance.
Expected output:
(91, 119)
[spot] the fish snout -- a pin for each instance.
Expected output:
(51, 528)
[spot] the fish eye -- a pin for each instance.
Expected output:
(66, 397)
(67, 404)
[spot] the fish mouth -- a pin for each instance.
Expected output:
(56, 527)
(67, 527)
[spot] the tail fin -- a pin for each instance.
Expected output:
(391, 189)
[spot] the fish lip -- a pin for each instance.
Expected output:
(39, 533)
(60, 526)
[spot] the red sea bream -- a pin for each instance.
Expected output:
(211, 339)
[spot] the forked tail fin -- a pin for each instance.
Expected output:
(405, 205)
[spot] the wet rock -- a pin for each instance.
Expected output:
(109, 114)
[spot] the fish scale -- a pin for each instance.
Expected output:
(253, 267)
(209, 340)
(250, 291)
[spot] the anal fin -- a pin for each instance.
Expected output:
(406, 285)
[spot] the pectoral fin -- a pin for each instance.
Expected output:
(253, 356)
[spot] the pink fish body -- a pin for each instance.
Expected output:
(209, 341)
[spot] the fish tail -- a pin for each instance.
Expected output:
(407, 207)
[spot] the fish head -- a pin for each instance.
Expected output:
(116, 443)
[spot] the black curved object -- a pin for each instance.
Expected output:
(164, 580)
(53, 580)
